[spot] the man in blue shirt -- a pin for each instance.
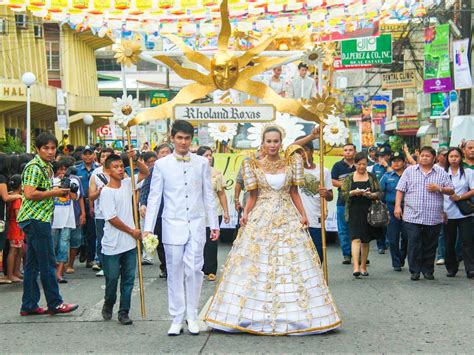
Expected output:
(395, 231)
(84, 172)
(338, 173)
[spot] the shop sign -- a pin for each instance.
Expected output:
(370, 50)
(461, 64)
(62, 110)
(395, 29)
(399, 80)
(225, 113)
(338, 65)
(437, 73)
(440, 102)
(407, 122)
(12, 91)
(159, 97)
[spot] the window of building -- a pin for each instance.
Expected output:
(107, 64)
(52, 55)
(146, 66)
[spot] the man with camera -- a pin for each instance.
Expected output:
(34, 218)
(64, 218)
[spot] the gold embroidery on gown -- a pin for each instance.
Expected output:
(273, 283)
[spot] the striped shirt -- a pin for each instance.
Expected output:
(37, 173)
(422, 206)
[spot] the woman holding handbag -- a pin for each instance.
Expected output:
(359, 190)
(459, 221)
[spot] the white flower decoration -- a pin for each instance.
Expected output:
(335, 131)
(150, 243)
(124, 110)
(313, 56)
(222, 132)
(290, 124)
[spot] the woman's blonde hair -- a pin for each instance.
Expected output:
(273, 128)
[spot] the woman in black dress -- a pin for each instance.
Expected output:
(359, 189)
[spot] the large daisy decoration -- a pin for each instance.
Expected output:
(293, 129)
(335, 131)
(321, 105)
(313, 56)
(124, 110)
(222, 132)
(128, 53)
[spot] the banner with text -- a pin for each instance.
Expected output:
(462, 70)
(370, 50)
(400, 80)
(437, 70)
(225, 113)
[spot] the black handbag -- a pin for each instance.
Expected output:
(378, 215)
(466, 207)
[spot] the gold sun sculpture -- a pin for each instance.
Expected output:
(321, 105)
(128, 53)
(226, 71)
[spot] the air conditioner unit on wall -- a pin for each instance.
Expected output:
(38, 29)
(21, 21)
(3, 26)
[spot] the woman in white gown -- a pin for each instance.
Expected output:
(273, 283)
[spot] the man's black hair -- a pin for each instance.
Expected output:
(182, 126)
(161, 146)
(63, 163)
(302, 65)
(110, 159)
(351, 144)
(308, 145)
(203, 149)
(70, 148)
(429, 149)
(148, 155)
(45, 138)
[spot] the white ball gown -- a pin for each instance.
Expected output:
(273, 282)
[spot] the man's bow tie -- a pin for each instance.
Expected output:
(182, 158)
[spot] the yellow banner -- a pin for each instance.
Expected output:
(80, 4)
(189, 3)
(144, 4)
(58, 3)
(165, 4)
(121, 4)
(101, 4)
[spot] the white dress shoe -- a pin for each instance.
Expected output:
(175, 329)
(193, 327)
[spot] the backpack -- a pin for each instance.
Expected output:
(378, 215)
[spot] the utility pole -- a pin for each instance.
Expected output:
(465, 25)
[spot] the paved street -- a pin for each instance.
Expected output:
(384, 313)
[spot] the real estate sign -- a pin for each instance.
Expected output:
(369, 50)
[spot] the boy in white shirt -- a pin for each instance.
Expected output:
(120, 235)
(311, 191)
(64, 219)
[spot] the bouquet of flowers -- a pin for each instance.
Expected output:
(150, 243)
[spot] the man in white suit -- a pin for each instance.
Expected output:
(184, 182)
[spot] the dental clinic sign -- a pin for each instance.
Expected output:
(370, 50)
(225, 113)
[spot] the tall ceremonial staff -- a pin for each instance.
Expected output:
(332, 130)
(124, 110)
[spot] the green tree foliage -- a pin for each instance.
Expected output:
(12, 145)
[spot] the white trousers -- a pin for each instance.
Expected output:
(184, 266)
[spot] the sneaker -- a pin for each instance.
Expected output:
(347, 260)
(415, 276)
(63, 308)
(381, 251)
(36, 312)
(100, 273)
(70, 270)
(107, 312)
(440, 262)
(163, 275)
(89, 264)
(124, 319)
(96, 267)
(147, 261)
(211, 277)
(428, 276)
(397, 269)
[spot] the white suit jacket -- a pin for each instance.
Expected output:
(186, 189)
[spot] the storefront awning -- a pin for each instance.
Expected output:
(425, 129)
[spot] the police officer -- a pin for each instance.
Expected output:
(381, 167)
(395, 232)
(84, 171)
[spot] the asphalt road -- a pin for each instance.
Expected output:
(385, 312)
